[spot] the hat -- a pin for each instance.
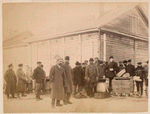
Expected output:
(67, 58)
(96, 58)
(77, 63)
(42, 66)
(129, 60)
(120, 61)
(111, 57)
(139, 63)
(10, 65)
(57, 59)
(91, 59)
(20, 65)
(85, 61)
(100, 62)
(38, 62)
(125, 61)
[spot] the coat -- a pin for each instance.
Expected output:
(101, 71)
(78, 76)
(130, 69)
(112, 74)
(91, 72)
(69, 81)
(57, 78)
(22, 80)
(38, 74)
(11, 80)
(140, 71)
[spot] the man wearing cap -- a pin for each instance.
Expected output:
(43, 81)
(139, 71)
(112, 70)
(38, 75)
(22, 80)
(58, 79)
(68, 72)
(78, 77)
(86, 62)
(10, 79)
(125, 63)
(91, 74)
(130, 68)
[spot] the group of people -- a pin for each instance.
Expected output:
(66, 80)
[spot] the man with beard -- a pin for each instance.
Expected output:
(68, 73)
(10, 79)
(58, 80)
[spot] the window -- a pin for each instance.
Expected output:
(133, 25)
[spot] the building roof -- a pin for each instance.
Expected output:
(17, 39)
(76, 26)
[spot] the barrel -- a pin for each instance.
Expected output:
(101, 85)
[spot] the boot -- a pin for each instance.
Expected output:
(58, 103)
(53, 103)
(13, 96)
(23, 95)
(68, 98)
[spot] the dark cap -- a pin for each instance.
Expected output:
(111, 57)
(96, 58)
(20, 65)
(67, 58)
(39, 62)
(139, 63)
(77, 63)
(91, 59)
(125, 61)
(85, 61)
(42, 66)
(147, 62)
(129, 60)
(10, 65)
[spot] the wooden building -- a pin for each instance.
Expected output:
(122, 33)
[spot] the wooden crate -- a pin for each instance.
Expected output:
(122, 86)
(101, 95)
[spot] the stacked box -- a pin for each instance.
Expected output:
(122, 86)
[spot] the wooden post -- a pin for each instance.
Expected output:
(80, 49)
(104, 57)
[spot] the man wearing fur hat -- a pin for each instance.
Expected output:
(69, 81)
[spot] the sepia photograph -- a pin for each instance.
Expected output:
(75, 57)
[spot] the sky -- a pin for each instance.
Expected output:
(39, 17)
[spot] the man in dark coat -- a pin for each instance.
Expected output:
(130, 68)
(22, 81)
(38, 75)
(58, 80)
(68, 72)
(139, 71)
(78, 77)
(112, 70)
(10, 79)
(92, 75)
(101, 70)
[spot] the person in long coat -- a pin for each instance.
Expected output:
(92, 75)
(22, 80)
(68, 72)
(78, 77)
(10, 79)
(57, 78)
(112, 70)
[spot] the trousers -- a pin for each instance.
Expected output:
(139, 86)
(37, 89)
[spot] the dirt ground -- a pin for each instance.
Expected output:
(112, 104)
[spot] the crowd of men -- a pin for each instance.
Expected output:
(66, 80)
